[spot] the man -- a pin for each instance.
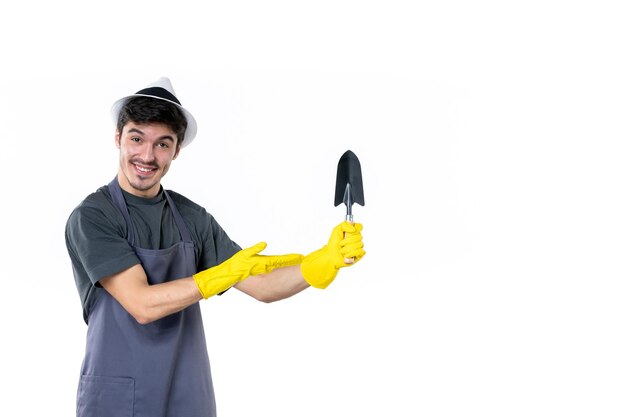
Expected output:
(144, 257)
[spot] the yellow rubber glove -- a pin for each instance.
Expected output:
(320, 268)
(240, 266)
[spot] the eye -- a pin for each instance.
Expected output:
(135, 139)
(163, 145)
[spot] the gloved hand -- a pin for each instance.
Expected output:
(320, 268)
(240, 266)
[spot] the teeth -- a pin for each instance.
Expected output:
(143, 169)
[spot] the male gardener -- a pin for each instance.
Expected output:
(144, 257)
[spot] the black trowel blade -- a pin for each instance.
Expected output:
(349, 186)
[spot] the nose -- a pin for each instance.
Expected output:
(146, 153)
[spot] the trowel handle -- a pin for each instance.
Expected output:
(350, 219)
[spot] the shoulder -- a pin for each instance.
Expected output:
(188, 207)
(215, 246)
(97, 207)
(98, 200)
(196, 216)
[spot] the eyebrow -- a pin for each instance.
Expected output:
(135, 130)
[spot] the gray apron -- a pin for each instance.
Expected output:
(160, 369)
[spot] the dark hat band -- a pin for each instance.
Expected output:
(159, 92)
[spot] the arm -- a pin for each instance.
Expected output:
(145, 302)
(279, 284)
(266, 278)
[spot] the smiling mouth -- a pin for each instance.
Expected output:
(144, 169)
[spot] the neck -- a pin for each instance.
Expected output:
(140, 190)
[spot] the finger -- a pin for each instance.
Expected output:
(356, 254)
(352, 238)
(348, 251)
(254, 249)
(348, 227)
(351, 245)
(280, 261)
(267, 263)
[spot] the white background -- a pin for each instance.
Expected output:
(491, 137)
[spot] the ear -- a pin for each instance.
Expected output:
(117, 138)
(178, 147)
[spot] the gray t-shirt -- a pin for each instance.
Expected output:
(95, 236)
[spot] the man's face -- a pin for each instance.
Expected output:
(146, 152)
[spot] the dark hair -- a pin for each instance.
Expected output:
(143, 110)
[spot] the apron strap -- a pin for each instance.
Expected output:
(182, 226)
(118, 199)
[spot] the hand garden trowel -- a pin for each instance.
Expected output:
(349, 186)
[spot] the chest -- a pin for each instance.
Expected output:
(154, 225)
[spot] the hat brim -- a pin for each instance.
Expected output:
(192, 126)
